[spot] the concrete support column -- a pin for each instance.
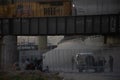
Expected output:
(113, 40)
(9, 52)
(1, 40)
(42, 42)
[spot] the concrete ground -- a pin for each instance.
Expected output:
(90, 76)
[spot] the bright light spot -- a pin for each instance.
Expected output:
(73, 5)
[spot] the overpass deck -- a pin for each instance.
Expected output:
(63, 25)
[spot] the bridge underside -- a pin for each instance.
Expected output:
(63, 25)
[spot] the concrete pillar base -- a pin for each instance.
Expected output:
(9, 54)
(42, 43)
(113, 40)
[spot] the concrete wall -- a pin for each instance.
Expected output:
(42, 42)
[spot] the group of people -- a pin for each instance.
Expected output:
(36, 64)
(98, 63)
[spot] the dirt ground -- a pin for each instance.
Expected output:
(90, 76)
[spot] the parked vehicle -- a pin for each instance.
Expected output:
(85, 61)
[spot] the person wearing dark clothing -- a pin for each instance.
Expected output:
(47, 69)
(111, 63)
(72, 60)
(35, 62)
(27, 63)
(104, 62)
(100, 64)
(96, 66)
(31, 66)
(40, 64)
(90, 62)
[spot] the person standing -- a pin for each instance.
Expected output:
(27, 63)
(111, 60)
(72, 60)
(104, 63)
